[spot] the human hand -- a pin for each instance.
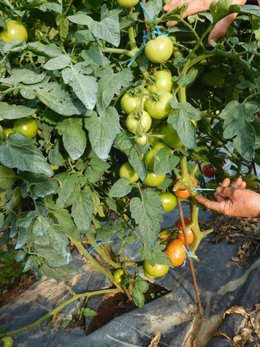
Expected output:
(195, 6)
(238, 202)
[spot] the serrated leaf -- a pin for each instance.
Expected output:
(120, 188)
(39, 185)
(102, 131)
(165, 161)
(7, 178)
(109, 85)
(68, 184)
(63, 25)
(140, 288)
(12, 111)
(135, 158)
(221, 8)
(125, 142)
(147, 214)
(107, 231)
(19, 152)
(57, 63)
(73, 136)
(181, 118)
(237, 118)
(250, 9)
(95, 169)
(82, 210)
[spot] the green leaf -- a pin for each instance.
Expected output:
(165, 161)
(120, 188)
(157, 256)
(67, 186)
(184, 81)
(250, 9)
(237, 118)
(110, 85)
(125, 142)
(58, 99)
(12, 111)
(180, 118)
(7, 178)
(63, 25)
(135, 158)
(24, 75)
(73, 136)
(154, 7)
(82, 210)
(25, 219)
(147, 214)
(57, 63)
(88, 312)
(221, 8)
(59, 273)
(50, 50)
(102, 131)
(39, 185)
(140, 288)
(84, 86)
(95, 169)
(94, 56)
(19, 152)
(108, 230)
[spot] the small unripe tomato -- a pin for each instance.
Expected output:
(127, 171)
(118, 275)
(141, 140)
(8, 341)
(15, 31)
(170, 136)
(164, 235)
(154, 180)
(163, 81)
(159, 106)
(127, 3)
(168, 201)
(27, 126)
(156, 270)
(7, 132)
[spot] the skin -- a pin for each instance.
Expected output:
(196, 6)
(239, 202)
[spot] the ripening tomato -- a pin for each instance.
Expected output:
(188, 231)
(151, 154)
(15, 31)
(130, 103)
(139, 124)
(158, 106)
(170, 136)
(176, 252)
(8, 341)
(183, 192)
(27, 126)
(118, 275)
(164, 235)
(159, 50)
(127, 171)
(127, 3)
(156, 270)
(209, 170)
(154, 180)
(168, 201)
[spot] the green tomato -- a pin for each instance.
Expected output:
(8, 341)
(138, 125)
(151, 154)
(170, 136)
(158, 106)
(7, 132)
(118, 275)
(169, 201)
(156, 270)
(159, 50)
(154, 180)
(163, 81)
(130, 103)
(127, 171)
(141, 140)
(15, 31)
(27, 126)
(127, 3)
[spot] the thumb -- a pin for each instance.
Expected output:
(221, 27)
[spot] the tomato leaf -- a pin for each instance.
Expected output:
(82, 209)
(88, 312)
(107, 231)
(73, 136)
(147, 214)
(102, 131)
(95, 169)
(180, 118)
(57, 63)
(24, 75)
(141, 287)
(13, 111)
(59, 273)
(156, 256)
(7, 178)
(221, 8)
(185, 80)
(67, 186)
(50, 50)
(94, 56)
(38, 185)
(165, 161)
(135, 158)
(19, 152)
(250, 9)
(154, 7)
(237, 118)
(120, 188)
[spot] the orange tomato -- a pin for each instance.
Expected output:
(189, 232)
(183, 192)
(176, 252)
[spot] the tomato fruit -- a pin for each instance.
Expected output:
(209, 170)
(139, 124)
(118, 275)
(156, 270)
(15, 31)
(163, 81)
(8, 341)
(170, 136)
(127, 171)
(168, 201)
(159, 50)
(158, 106)
(27, 126)
(7, 132)
(141, 140)
(176, 252)
(130, 103)
(188, 231)
(183, 192)
(127, 3)
(151, 154)
(154, 180)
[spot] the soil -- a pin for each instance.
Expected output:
(117, 304)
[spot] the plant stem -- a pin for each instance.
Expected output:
(184, 166)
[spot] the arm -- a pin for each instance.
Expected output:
(195, 6)
(239, 202)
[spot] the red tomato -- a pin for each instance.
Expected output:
(176, 252)
(209, 170)
(188, 231)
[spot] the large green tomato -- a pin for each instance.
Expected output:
(8, 341)
(163, 81)
(151, 154)
(138, 124)
(170, 136)
(154, 180)
(27, 126)
(130, 103)
(169, 201)
(158, 106)
(156, 270)
(127, 3)
(159, 50)
(127, 171)
(15, 31)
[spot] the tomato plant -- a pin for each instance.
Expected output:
(156, 270)
(176, 252)
(168, 200)
(14, 31)
(188, 231)
(159, 50)
(170, 136)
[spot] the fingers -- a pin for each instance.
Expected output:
(221, 27)
(212, 205)
(172, 5)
